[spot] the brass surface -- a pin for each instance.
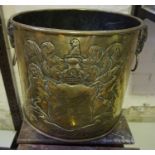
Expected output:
(73, 84)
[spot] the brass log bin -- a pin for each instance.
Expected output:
(74, 67)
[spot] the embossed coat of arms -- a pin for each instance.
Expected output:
(76, 90)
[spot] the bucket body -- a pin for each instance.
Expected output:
(74, 67)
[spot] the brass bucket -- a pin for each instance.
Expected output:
(74, 67)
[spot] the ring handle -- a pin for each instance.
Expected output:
(142, 37)
(10, 28)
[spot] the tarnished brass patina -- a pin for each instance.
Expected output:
(74, 67)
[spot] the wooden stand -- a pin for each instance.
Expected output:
(30, 139)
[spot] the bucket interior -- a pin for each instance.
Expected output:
(81, 20)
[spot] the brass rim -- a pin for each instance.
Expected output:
(76, 32)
